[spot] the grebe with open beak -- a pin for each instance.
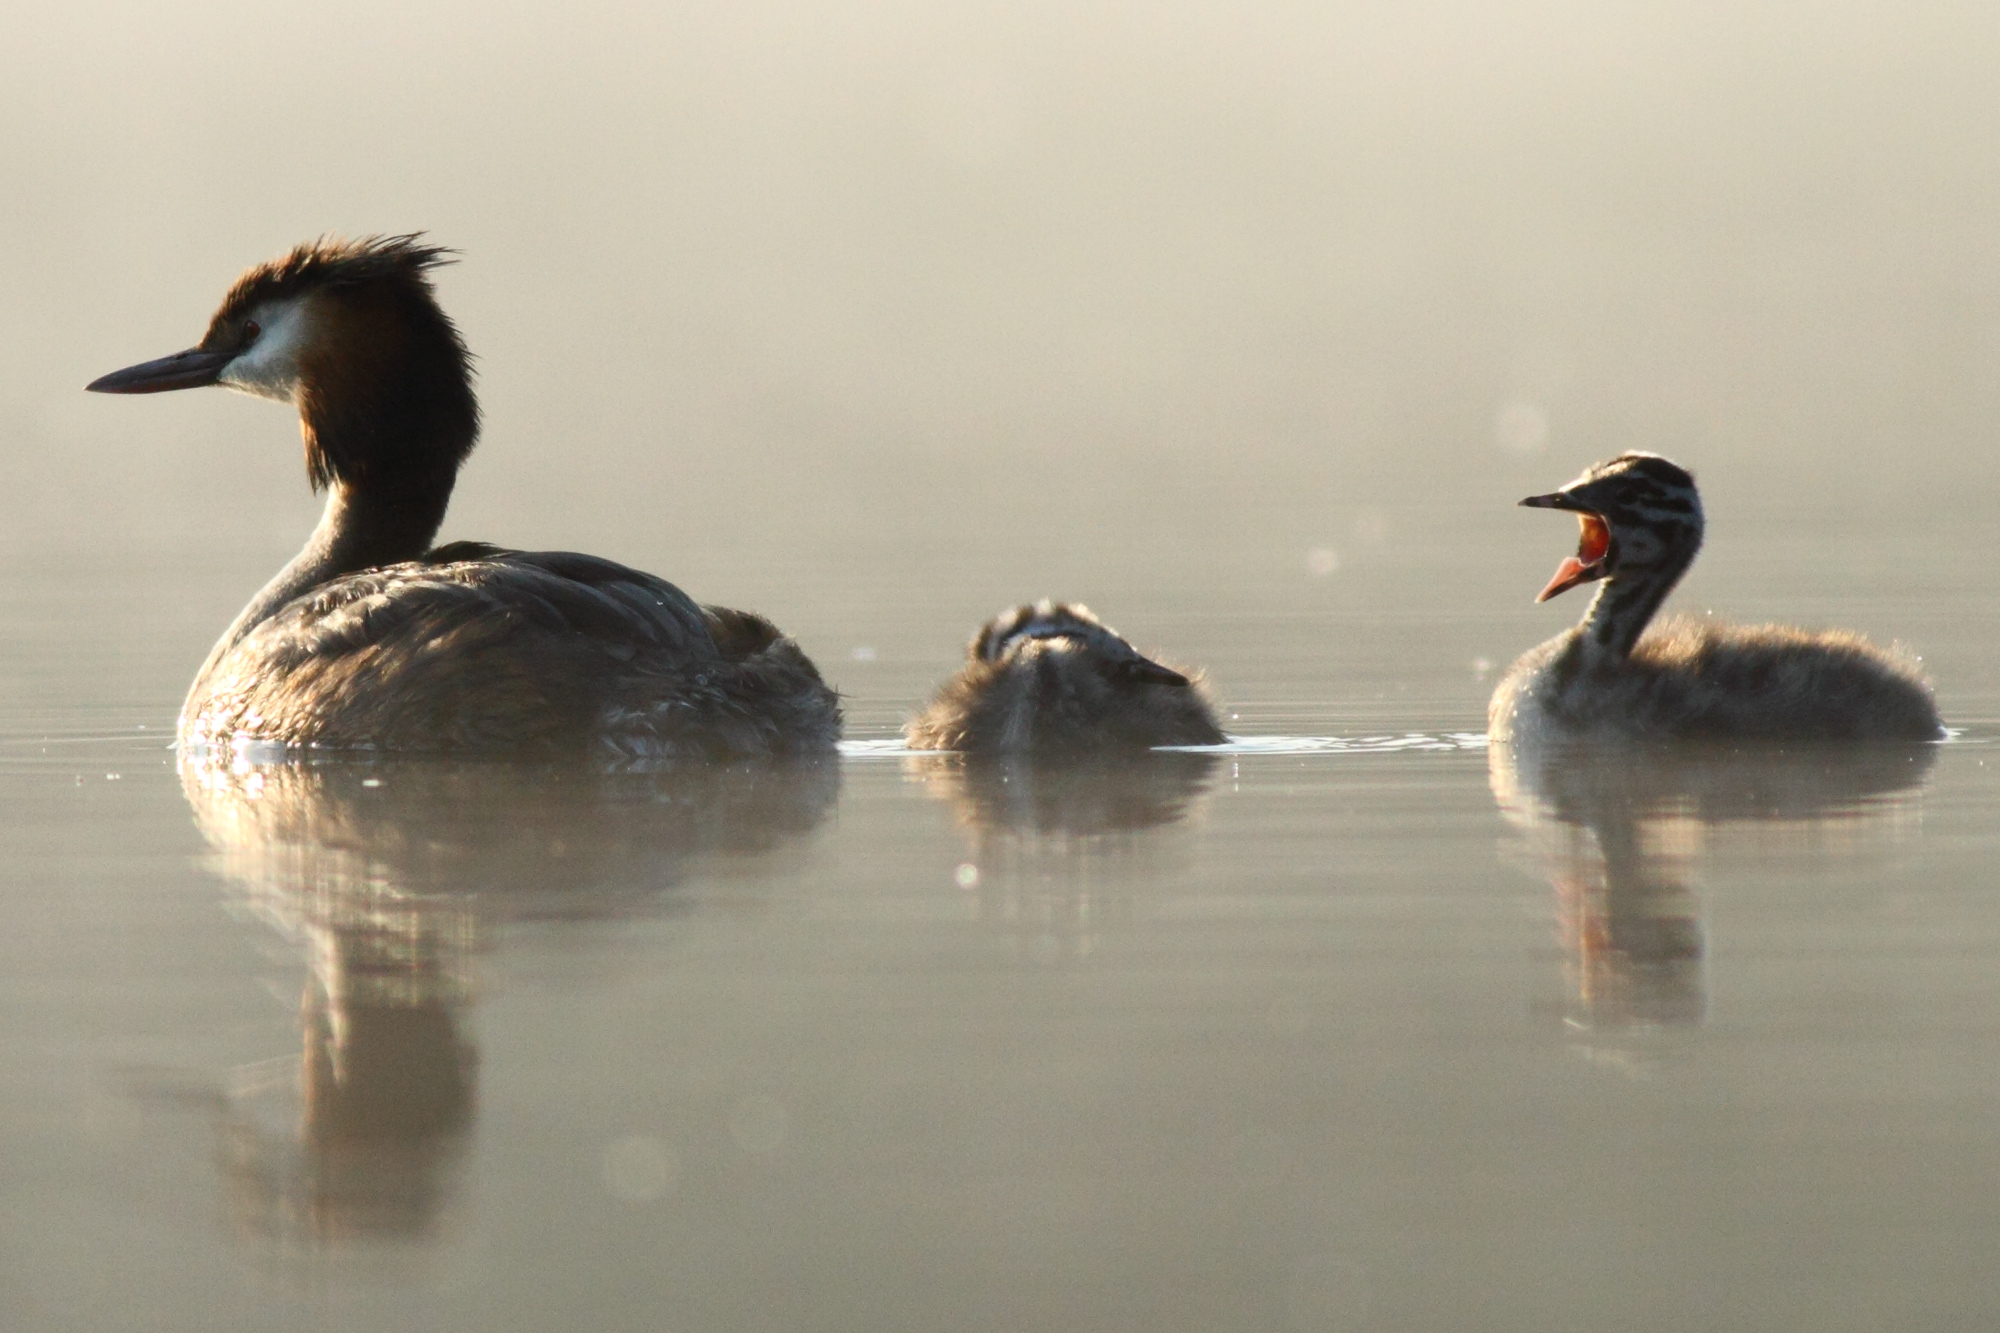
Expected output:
(1641, 526)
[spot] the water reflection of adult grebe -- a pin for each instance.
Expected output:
(1618, 830)
(389, 873)
(1056, 844)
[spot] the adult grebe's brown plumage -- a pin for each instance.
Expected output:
(371, 638)
(1050, 679)
(1642, 525)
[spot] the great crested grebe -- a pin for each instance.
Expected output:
(372, 638)
(1642, 524)
(1052, 680)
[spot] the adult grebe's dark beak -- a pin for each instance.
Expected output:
(183, 370)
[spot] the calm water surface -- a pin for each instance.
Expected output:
(1364, 1028)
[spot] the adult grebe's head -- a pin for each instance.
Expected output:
(1072, 627)
(349, 332)
(1640, 515)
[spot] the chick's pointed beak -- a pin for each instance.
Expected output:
(1569, 573)
(1146, 671)
(183, 370)
(1553, 500)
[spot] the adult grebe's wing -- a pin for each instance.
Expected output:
(502, 650)
(600, 599)
(616, 604)
(692, 679)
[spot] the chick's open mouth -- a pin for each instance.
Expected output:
(1592, 546)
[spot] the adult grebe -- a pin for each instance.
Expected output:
(371, 638)
(1051, 680)
(1642, 524)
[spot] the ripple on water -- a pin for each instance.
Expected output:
(1449, 741)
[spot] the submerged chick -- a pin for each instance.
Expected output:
(1049, 680)
(1642, 524)
(373, 638)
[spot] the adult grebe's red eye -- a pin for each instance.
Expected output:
(251, 328)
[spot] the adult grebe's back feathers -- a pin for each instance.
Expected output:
(538, 648)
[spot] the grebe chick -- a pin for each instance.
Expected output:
(1052, 680)
(372, 638)
(1642, 524)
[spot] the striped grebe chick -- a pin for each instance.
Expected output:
(1050, 679)
(1642, 524)
(371, 638)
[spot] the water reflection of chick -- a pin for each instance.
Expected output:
(1019, 798)
(1618, 832)
(1055, 846)
(388, 874)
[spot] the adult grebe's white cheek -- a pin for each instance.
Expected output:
(269, 367)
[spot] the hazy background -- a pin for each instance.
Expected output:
(875, 317)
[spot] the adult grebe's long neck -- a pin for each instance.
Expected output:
(1627, 601)
(388, 474)
(360, 529)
